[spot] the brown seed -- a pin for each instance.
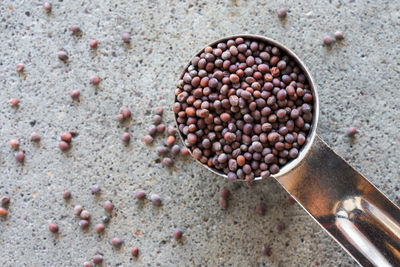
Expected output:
(53, 227)
(224, 193)
(178, 234)
(184, 151)
(266, 251)
(95, 80)
(126, 137)
(126, 37)
(223, 203)
(168, 162)
(35, 137)
(14, 102)
(135, 252)
(157, 119)
(85, 215)
(175, 149)
(84, 224)
(97, 259)
(351, 131)
(77, 210)
(156, 200)
(62, 55)
(140, 194)
(64, 146)
(47, 7)
(87, 264)
(75, 29)
(126, 113)
(158, 110)
(171, 130)
(99, 227)
(170, 140)
(66, 195)
(328, 40)
(339, 35)
(75, 94)
(3, 212)
(241, 160)
(225, 117)
(66, 136)
(20, 156)
(120, 118)
(5, 200)
(108, 206)
(148, 139)
(282, 12)
(116, 242)
(93, 43)
(14, 143)
(161, 128)
(20, 67)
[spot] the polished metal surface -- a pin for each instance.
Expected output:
(343, 202)
(352, 210)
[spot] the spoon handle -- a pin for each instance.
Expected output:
(343, 202)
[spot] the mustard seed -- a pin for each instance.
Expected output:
(328, 40)
(126, 113)
(178, 234)
(126, 37)
(223, 203)
(77, 210)
(152, 130)
(135, 252)
(66, 136)
(148, 139)
(339, 35)
(171, 130)
(85, 215)
(157, 119)
(62, 55)
(162, 150)
(20, 67)
(53, 227)
(66, 195)
(84, 224)
(47, 7)
(93, 43)
(158, 111)
(75, 94)
(170, 140)
(282, 12)
(97, 259)
(351, 131)
(184, 151)
(87, 264)
(116, 242)
(99, 227)
(161, 128)
(5, 200)
(14, 143)
(175, 149)
(3, 212)
(126, 137)
(95, 189)
(95, 80)
(140, 194)
(260, 209)
(225, 193)
(168, 162)
(108, 206)
(14, 102)
(20, 156)
(156, 200)
(64, 146)
(75, 29)
(266, 251)
(35, 137)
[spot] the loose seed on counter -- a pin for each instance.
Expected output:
(75, 94)
(93, 43)
(14, 143)
(85, 215)
(126, 37)
(148, 139)
(99, 227)
(175, 149)
(64, 146)
(158, 111)
(282, 12)
(84, 224)
(20, 156)
(66, 195)
(161, 128)
(120, 117)
(95, 80)
(97, 259)
(108, 206)
(157, 119)
(156, 200)
(170, 140)
(135, 252)
(77, 210)
(171, 130)
(87, 264)
(339, 35)
(66, 136)
(266, 251)
(328, 40)
(225, 193)
(35, 137)
(14, 102)
(75, 29)
(184, 151)
(116, 242)
(47, 7)
(126, 137)
(62, 55)
(126, 113)
(140, 194)
(223, 203)
(152, 130)
(168, 162)
(95, 189)
(260, 209)
(105, 219)
(178, 234)
(5, 200)
(20, 67)
(162, 150)
(351, 131)
(53, 227)
(3, 212)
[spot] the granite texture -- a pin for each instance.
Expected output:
(358, 85)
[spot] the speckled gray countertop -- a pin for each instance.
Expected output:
(358, 81)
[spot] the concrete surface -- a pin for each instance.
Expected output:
(358, 82)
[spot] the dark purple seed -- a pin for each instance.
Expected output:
(168, 162)
(20, 156)
(140, 194)
(62, 55)
(5, 200)
(84, 224)
(66, 195)
(224, 193)
(175, 149)
(282, 12)
(328, 40)
(116, 242)
(97, 259)
(161, 128)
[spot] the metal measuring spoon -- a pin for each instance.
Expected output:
(342, 201)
